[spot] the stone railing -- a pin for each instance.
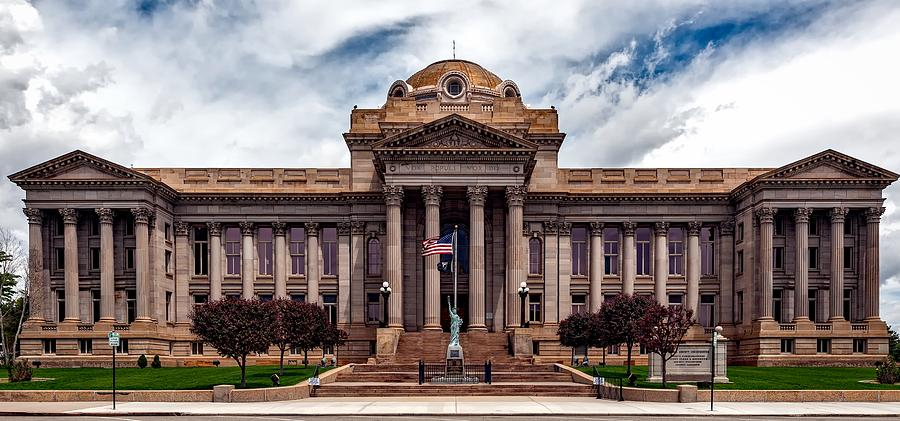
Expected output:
(487, 108)
(859, 327)
(823, 327)
(455, 107)
(85, 328)
(50, 328)
(787, 327)
(121, 327)
(421, 107)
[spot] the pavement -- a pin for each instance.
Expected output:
(457, 406)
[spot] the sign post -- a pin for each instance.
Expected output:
(113, 338)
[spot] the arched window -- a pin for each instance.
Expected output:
(510, 92)
(373, 257)
(398, 92)
(535, 256)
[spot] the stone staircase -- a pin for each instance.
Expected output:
(431, 347)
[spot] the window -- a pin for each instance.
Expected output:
(813, 225)
(535, 256)
(196, 348)
(740, 261)
(201, 251)
(847, 294)
(811, 301)
(611, 251)
(232, 296)
(534, 307)
(848, 258)
(232, 251)
(264, 297)
(264, 250)
(776, 304)
(167, 231)
(373, 257)
(49, 346)
(675, 300)
(676, 251)
(123, 346)
(579, 303)
(642, 240)
(129, 226)
(200, 299)
(169, 306)
(60, 305)
(859, 346)
(707, 309)
(779, 225)
(739, 309)
(298, 251)
(373, 307)
(813, 258)
(707, 251)
(295, 350)
(613, 349)
(300, 298)
(329, 252)
(129, 258)
(131, 304)
(330, 303)
(95, 227)
(168, 261)
(85, 346)
(642, 350)
(778, 258)
(59, 227)
(849, 226)
(579, 251)
(95, 304)
(60, 258)
(787, 346)
(823, 346)
(740, 232)
(454, 87)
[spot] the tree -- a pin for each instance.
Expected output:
(310, 331)
(236, 328)
(620, 320)
(14, 296)
(661, 330)
(288, 324)
(893, 344)
(332, 337)
(577, 330)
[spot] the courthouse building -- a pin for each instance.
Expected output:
(785, 259)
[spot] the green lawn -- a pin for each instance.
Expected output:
(185, 378)
(772, 378)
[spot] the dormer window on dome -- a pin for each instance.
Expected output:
(454, 86)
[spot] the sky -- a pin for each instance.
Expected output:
(271, 83)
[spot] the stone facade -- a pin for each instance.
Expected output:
(785, 259)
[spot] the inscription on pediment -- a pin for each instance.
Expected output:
(454, 141)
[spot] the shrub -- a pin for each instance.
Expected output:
(156, 363)
(142, 361)
(216, 363)
(887, 372)
(20, 371)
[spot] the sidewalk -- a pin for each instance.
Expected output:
(475, 406)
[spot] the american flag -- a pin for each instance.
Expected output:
(435, 245)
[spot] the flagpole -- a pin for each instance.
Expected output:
(454, 264)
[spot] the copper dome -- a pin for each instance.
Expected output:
(431, 75)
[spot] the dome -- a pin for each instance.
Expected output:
(431, 75)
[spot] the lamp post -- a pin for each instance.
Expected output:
(523, 292)
(712, 372)
(385, 294)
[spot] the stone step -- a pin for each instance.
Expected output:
(497, 389)
(413, 377)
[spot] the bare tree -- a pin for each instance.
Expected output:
(16, 280)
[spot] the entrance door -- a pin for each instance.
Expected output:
(463, 311)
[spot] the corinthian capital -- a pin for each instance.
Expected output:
(565, 228)
(35, 216)
(246, 227)
(432, 195)
(182, 228)
(661, 229)
(694, 228)
(358, 227)
(596, 229)
(726, 227)
(312, 228)
(515, 195)
(476, 195)
(141, 215)
(801, 215)
(343, 228)
(105, 215)
(628, 228)
(838, 214)
(214, 228)
(393, 195)
(279, 228)
(551, 227)
(69, 215)
(766, 215)
(873, 215)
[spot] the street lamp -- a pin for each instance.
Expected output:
(385, 294)
(712, 372)
(523, 292)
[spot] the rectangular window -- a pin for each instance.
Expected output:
(123, 346)
(196, 348)
(813, 226)
(849, 226)
(95, 227)
(676, 251)
(707, 307)
(167, 231)
(59, 227)
(642, 243)
(740, 261)
(373, 308)
(787, 346)
(776, 304)
(129, 226)
(739, 309)
(611, 251)
(298, 251)
(200, 299)
(579, 303)
(676, 300)
(813, 258)
(859, 346)
(707, 251)
(779, 225)
(169, 306)
(823, 346)
(579, 251)
(201, 251)
(95, 304)
(232, 251)
(330, 303)
(373, 257)
(535, 256)
(129, 258)
(49, 346)
(168, 261)
(60, 258)
(613, 350)
(848, 258)
(847, 303)
(131, 304)
(534, 308)
(85, 346)
(740, 232)
(811, 301)
(329, 252)
(60, 305)
(264, 250)
(778, 258)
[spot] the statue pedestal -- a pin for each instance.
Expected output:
(455, 366)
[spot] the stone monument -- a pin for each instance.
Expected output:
(455, 362)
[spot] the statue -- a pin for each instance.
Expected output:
(455, 322)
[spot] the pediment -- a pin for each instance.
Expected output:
(77, 166)
(454, 132)
(830, 165)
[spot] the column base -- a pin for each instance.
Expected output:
(477, 328)
(434, 328)
(71, 320)
(109, 320)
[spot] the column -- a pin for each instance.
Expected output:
(393, 198)
(515, 201)
(432, 197)
(107, 267)
(726, 271)
(247, 270)
(837, 263)
(565, 269)
(214, 229)
(280, 257)
(693, 267)
(629, 265)
(312, 262)
(38, 290)
(661, 262)
(765, 216)
(596, 269)
(142, 262)
(183, 302)
(873, 219)
(801, 269)
(343, 231)
(477, 196)
(552, 262)
(70, 232)
(358, 273)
